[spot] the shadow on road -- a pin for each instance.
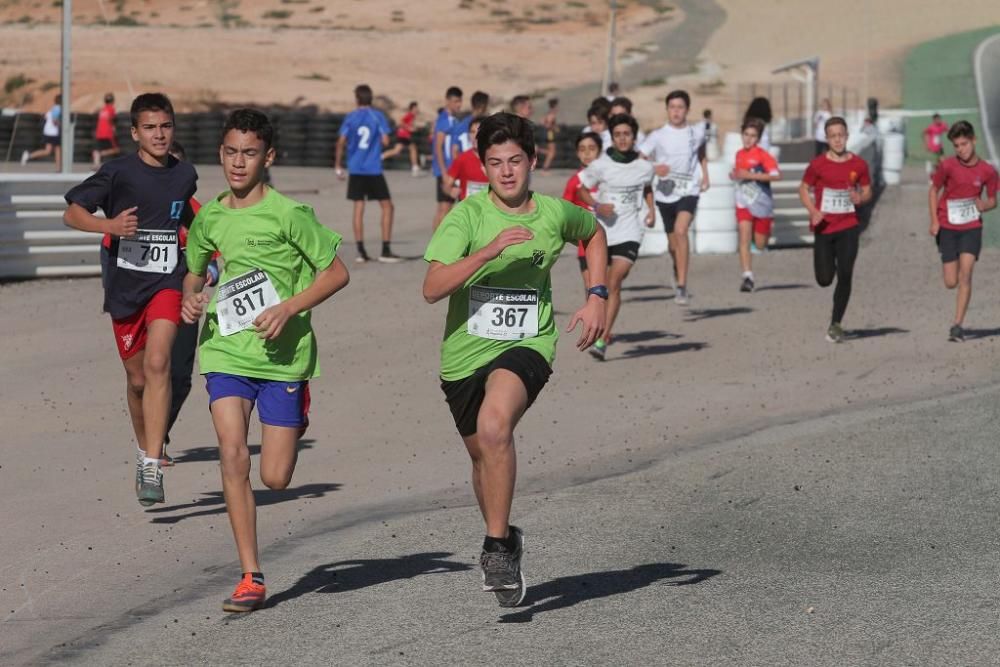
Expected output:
(643, 336)
(981, 333)
(651, 350)
(641, 288)
(214, 503)
(785, 286)
(568, 591)
(694, 315)
(349, 575)
(856, 334)
(641, 299)
(202, 454)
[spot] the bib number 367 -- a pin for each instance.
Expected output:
(241, 300)
(503, 314)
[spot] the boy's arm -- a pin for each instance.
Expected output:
(932, 204)
(194, 299)
(593, 314)
(443, 280)
(338, 159)
(815, 215)
(651, 205)
(439, 148)
(123, 224)
(328, 282)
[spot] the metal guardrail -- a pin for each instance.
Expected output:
(34, 242)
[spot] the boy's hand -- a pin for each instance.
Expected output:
(605, 210)
(935, 227)
(508, 237)
(982, 205)
(193, 307)
(650, 219)
(856, 197)
(815, 217)
(662, 170)
(340, 174)
(270, 323)
(704, 183)
(593, 316)
(125, 223)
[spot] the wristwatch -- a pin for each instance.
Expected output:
(599, 290)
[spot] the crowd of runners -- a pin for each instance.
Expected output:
(492, 244)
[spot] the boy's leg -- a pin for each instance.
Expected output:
(181, 368)
(231, 417)
(824, 264)
(746, 232)
(617, 273)
(680, 241)
(846, 250)
(278, 455)
(135, 383)
(949, 271)
(387, 213)
(358, 219)
(966, 263)
(156, 394)
(414, 158)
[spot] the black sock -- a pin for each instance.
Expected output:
(493, 544)
(385, 248)
(258, 577)
(361, 249)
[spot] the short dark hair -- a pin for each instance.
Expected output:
(600, 112)
(150, 102)
(622, 102)
(553, 102)
(834, 120)
(412, 106)
(760, 107)
(479, 100)
(706, 114)
(623, 119)
(518, 100)
(601, 103)
(363, 95)
(936, 116)
(613, 87)
(454, 91)
(250, 120)
(755, 123)
(961, 128)
(109, 98)
(593, 136)
(678, 95)
(502, 127)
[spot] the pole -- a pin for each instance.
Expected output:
(609, 68)
(67, 127)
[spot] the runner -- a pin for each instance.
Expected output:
(932, 138)
(840, 182)
(760, 108)
(105, 142)
(441, 150)
(614, 91)
(755, 170)
(492, 259)
(624, 105)
(956, 217)
(678, 149)
(824, 114)
(257, 345)
(551, 124)
(461, 141)
(51, 136)
(364, 133)
(404, 139)
(466, 175)
(623, 180)
(145, 199)
(597, 119)
(588, 149)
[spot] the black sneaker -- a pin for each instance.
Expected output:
(502, 574)
(747, 284)
(389, 258)
(956, 335)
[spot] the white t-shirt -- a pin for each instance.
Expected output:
(819, 124)
(678, 148)
(621, 184)
(52, 117)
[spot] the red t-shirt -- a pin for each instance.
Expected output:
(932, 136)
(405, 130)
(571, 194)
(825, 174)
(466, 169)
(962, 182)
(106, 123)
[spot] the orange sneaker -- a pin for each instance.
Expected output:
(248, 596)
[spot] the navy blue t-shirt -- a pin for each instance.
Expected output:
(162, 195)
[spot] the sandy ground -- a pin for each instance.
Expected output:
(78, 551)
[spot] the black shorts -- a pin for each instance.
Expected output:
(405, 141)
(465, 396)
(952, 243)
(442, 197)
(104, 144)
(55, 141)
(367, 186)
(669, 211)
(628, 250)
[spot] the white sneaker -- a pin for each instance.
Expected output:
(25, 156)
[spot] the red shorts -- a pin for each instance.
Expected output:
(130, 332)
(760, 225)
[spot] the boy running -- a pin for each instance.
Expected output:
(461, 139)
(840, 182)
(755, 170)
(257, 344)
(932, 137)
(550, 122)
(404, 139)
(492, 257)
(623, 180)
(442, 156)
(145, 199)
(51, 136)
(105, 142)
(588, 149)
(678, 151)
(956, 217)
(466, 175)
(364, 133)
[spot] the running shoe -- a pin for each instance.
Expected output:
(682, 298)
(599, 350)
(389, 258)
(25, 156)
(139, 456)
(956, 335)
(747, 284)
(166, 460)
(835, 334)
(502, 573)
(362, 258)
(248, 596)
(151, 489)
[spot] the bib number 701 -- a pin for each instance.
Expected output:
(154, 253)
(509, 317)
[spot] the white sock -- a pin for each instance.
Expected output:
(147, 461)
(748, 274)
(141, 453)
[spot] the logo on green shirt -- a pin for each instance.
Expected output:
(537, 257)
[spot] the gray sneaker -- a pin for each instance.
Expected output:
(502, 574)
(682, 297)
(835, 334)
(139, 456)
(151, 489)
(956, 334)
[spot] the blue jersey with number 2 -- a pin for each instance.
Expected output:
(364, 129)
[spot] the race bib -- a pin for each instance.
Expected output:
(750, 191)
(676, 182)
(962, 211)
(499, 313)
(241, 300)
(149, 251)
(836, 201)
(473, 187)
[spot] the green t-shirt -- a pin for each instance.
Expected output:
(517, 283)
(282, 238)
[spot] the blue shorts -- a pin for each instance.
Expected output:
(279, 403)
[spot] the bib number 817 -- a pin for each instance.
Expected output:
(508, 317)
(241, 309)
